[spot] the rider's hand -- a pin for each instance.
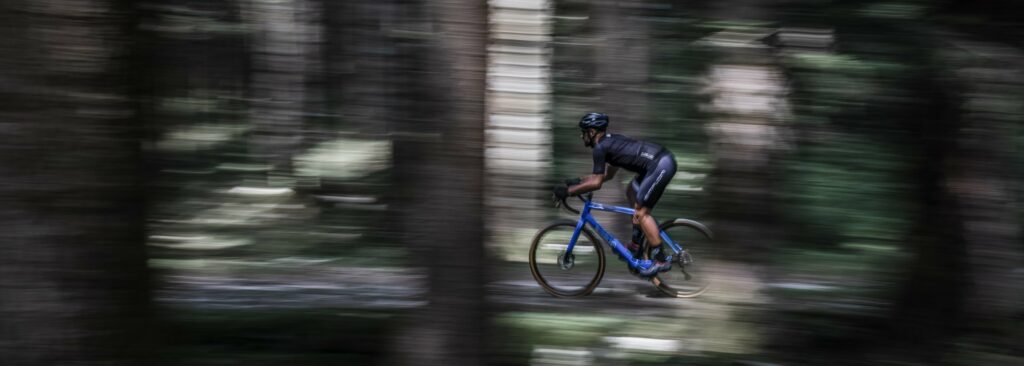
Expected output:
(560, 192)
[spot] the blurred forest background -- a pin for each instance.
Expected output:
(314, 182)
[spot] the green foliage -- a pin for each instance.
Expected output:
(851, 186)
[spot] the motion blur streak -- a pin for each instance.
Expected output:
(314, 182)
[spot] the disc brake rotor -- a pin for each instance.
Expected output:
(566, 262)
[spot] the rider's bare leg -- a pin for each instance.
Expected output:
(643, 218)
(660, 262)
(634, 244)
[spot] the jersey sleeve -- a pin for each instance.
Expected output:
(599, 163)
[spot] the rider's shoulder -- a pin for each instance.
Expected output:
(614, 136)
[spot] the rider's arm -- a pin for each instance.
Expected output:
(601, 173)
(593, 182)
(609, 173)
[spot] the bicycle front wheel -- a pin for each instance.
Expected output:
(692, 270)
(566, 274)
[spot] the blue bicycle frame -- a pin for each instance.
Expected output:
(587, 219)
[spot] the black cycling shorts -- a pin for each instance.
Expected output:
(650, 186)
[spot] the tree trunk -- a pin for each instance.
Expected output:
(623, 55)
(747, 129)
(446, 217)
(932, 292)
(283, 39)
(748, 132)
(362, 63)
(981, 178)
(73, 277)
(519, 133)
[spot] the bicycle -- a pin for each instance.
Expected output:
(580, 253)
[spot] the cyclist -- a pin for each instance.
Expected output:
(654, 165)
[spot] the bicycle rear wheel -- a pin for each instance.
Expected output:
(695, 268)
(577, 276)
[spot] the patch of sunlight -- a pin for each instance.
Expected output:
(199, 137)
(692, 163)
(196, 263)
(575, 356)
(345, 158)
(686, 181)
(684, 187)
(514, 245)
(644, 344)
(553, 322)
(196, 242)
(206, 221)
(686, 176)
(229, 215)
(261, 191)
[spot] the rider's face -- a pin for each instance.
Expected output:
(587, 138)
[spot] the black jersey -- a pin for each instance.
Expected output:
(621, 151)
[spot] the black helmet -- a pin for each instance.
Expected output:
(595, 120)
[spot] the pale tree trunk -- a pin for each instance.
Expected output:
(748, 131)
(446, 219)
(746, 136)
(519, 135)
(284, 33)
(73, 277)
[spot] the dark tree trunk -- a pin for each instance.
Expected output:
(981, 177)
(446, 217)
(965, 281)
(623, 55)
(930, 300)
(362, 63)
(73, 277)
